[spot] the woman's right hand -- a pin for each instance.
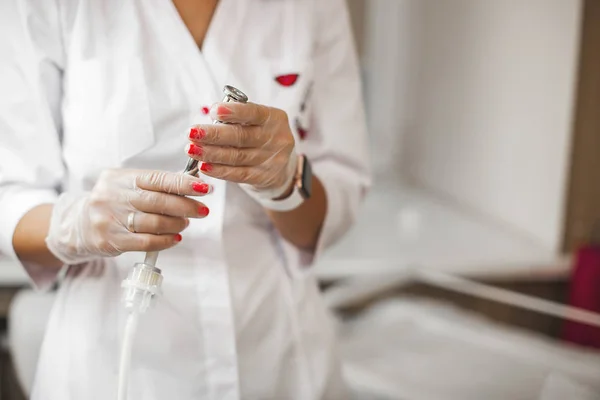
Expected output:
(127, 210)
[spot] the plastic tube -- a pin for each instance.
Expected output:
(151, 258)
(139, 290)
(126, 350)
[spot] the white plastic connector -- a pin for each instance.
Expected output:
(139, 290)
(141, 287)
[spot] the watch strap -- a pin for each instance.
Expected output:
(293, 201)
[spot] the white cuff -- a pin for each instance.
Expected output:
(290, 203)
(345, 191)
(265, 197)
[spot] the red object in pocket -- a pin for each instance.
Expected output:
(302, 132)
(584, 292)
(287, 80)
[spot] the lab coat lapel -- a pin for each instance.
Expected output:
(223, 40)
(213, 67)
(183, 50)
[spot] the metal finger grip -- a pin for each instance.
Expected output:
(231, 95)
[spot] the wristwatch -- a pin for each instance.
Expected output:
(302, 188)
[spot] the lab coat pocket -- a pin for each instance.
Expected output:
(133, 128)
(286, 85)
(107, 100)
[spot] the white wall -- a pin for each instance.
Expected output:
(387, 61)
(493, 108)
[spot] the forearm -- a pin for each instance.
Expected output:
(302, 226)
(29, 238)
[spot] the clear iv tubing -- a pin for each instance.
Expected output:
(144, 281)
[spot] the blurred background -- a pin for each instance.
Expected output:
(474, 271)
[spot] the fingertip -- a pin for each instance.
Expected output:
(203, 211)
(194, 150)
(205, 167)
(196, 133)
(213, 112)
(201, 188)
(223, 110)
(219, 111)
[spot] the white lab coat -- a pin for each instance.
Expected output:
(93, 84)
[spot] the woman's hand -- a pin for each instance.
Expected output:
(128, 210)
(253, 146)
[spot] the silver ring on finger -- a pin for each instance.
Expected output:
(131, 222)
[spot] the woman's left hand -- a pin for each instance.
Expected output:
(253, 146)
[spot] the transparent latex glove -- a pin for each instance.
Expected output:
(127, 210)
(254, 147)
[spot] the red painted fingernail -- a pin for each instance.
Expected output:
(222, 110)
(197, 133)
(203, 211)
(206, 167)
(178, 237)
(194, 150)
(201, 187)
(205, 110)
